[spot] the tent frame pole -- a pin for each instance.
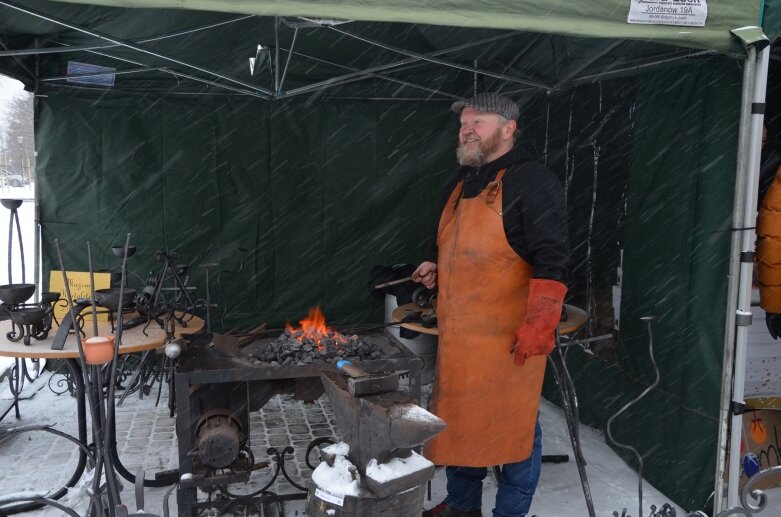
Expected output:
(78, 48)
(430, 58)
(132, 46)
(362, 74)
(738, 316)
(377, 76)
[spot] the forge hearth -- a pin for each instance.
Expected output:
(227, 383)
(295, 348)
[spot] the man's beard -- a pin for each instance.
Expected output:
(474, 155)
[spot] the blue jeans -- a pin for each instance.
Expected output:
(516, 485)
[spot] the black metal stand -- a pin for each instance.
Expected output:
(203, 371)
(569, 404)
(85, 452)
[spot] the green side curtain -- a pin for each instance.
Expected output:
(294, 201)
(677, 235)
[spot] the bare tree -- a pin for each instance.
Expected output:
(17, 141)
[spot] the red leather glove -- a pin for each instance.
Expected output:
(543, 312)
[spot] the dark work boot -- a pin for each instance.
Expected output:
(443, 510)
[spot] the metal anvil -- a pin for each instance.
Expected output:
(381, 427)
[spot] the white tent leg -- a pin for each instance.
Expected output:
(741, 271)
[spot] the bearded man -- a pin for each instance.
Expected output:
(501, 269)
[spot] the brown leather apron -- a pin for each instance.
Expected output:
(490, 404)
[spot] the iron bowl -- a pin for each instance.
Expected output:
(49, 297)
(109, 298)
(14, 294)
(119, 251)
(27, 315)
(11, 204)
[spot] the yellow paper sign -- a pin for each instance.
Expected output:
(78, 282)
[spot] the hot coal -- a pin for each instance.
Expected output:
(295, 348)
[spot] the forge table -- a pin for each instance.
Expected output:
(207, 365)
(576, 317)
(133, 340)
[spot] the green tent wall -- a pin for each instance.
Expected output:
(297, 198)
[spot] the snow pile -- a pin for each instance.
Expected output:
(337, 449)
(397, 467)
(338, 480)
(412, 412)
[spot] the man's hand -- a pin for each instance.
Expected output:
(543, 312)
(773, 324)
(426, 274)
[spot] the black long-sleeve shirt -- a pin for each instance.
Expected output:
(534, 215)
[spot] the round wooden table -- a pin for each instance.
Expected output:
(576, 318)
(133, 340)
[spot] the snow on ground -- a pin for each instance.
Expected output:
(613, 483)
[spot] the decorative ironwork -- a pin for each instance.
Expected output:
(63, 383)
(262, 499)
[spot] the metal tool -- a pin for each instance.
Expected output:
(360, 383)
(393, 282)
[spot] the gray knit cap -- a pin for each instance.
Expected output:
(489, 102)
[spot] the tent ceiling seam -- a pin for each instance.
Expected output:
(130, 45)
(76, 48)
(438, 61)
(334, 81)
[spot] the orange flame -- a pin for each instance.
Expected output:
(313, 327)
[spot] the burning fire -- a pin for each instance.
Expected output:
(314, 328)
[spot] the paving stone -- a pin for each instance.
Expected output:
(278, 439)
(273, 423)
(140, 431)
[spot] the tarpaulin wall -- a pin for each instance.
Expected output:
(294, 201)
(676, 242)
(297, 200)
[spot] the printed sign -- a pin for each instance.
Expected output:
(329, 497)
(80, 288)
(689, 13)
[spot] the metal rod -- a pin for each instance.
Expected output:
(78, 48)
(130, 45)
(749, 215)
(15, 215)
(592, 59)
(733, 286)
(427, 57)
(378, 76)
(117, 341)
(474, 80)
(379, 68)
(276, 54)
(114, 496)
(88, 383)
(514, 60)
(10, 244)
(608, 427)
(287, 62)
(92, 290)
(393, 282)
(602, 75)
(97, 74)
(36, 242)
(179, 74)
